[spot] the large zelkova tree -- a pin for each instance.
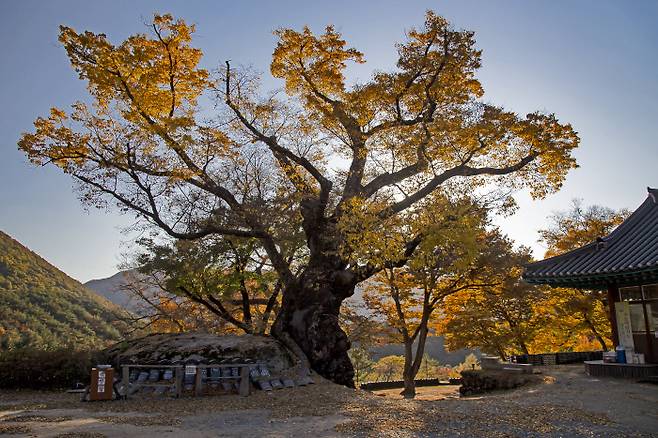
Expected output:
(260, 164)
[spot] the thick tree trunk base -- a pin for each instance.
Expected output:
(311, 321)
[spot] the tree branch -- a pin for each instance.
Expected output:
(461, 170)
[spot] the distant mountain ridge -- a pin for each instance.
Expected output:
(435, 348)
(42, 307)
(113, 289)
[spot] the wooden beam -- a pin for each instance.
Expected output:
(613, 297)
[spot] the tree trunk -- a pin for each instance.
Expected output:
(523, 346)
(411, 363)
(595, 332)
(408, 375)
(309, 316)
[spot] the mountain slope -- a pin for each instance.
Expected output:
(41, 307)
(117, 289)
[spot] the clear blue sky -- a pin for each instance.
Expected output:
(594, 63)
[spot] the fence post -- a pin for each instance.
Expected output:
(179, 381)
(125, 377)
(197, 382)
(244, 381)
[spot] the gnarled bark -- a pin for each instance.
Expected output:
(309, 315)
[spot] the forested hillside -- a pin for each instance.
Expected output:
(41, 307)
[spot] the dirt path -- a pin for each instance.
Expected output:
(567, 404)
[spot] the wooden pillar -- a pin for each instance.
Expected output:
(647, 335)
(613, 297)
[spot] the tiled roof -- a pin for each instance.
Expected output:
(629, 255)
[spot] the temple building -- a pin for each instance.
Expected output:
(625, 263)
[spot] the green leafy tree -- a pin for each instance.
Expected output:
(363, 364)
(228, 277)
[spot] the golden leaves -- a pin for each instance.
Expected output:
(365, 237)
(312, 66)
(54, 142)
(152, 78)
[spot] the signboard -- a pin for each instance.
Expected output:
(101, 381)
(623, 314)
(100, 387)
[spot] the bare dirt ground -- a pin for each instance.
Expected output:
(567, 404)
(429, 393)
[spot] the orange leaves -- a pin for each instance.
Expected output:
(579, 226)
(312, 66)
(55, 142)
(153, 79)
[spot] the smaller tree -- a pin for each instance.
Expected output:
(389, 368)
(363, 364)
(576, 320)
(228, 278)
(580, 313)
(454, 256)
(470, 362)
(431, 368)
(578, 226)
(499, 319)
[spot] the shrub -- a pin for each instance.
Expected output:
(29, 368)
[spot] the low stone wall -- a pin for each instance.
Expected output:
(481, 381)
(558, 358)
(375, 386)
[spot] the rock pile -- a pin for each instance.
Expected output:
(480, 381)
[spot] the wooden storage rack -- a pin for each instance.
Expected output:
(177, 383)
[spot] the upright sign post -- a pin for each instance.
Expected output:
(101, 384)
